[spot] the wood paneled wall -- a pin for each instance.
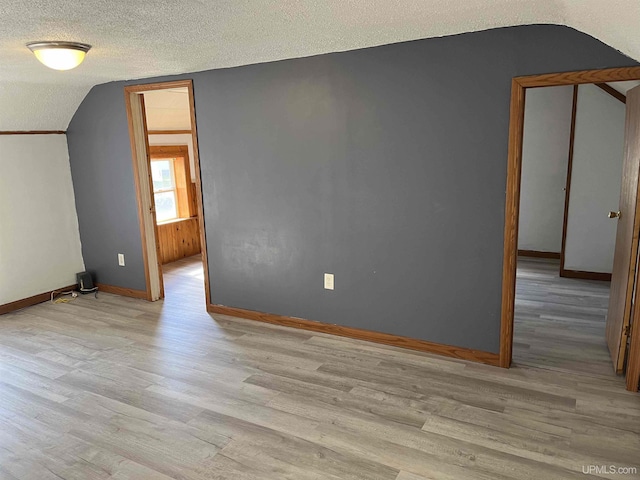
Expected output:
(193, 202)
(179, 239)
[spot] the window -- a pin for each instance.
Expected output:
(173, 191)
(164, 189)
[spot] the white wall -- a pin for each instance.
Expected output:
(179, 139)
(168, 109)
(595, 181)
(39, 237)
(545, 154)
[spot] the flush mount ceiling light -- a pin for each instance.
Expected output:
(59, 55)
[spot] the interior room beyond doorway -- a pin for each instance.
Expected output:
(571, 176)
(173, 175)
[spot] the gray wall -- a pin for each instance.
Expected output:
(102, 172)
(385, 166)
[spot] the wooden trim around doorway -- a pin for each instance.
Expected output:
(169, 132)
(188, 84)
(567, 187)
(137, 180)
(511, 212)
(199, 196)
(512, 203)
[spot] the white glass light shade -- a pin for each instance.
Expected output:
(59, 55)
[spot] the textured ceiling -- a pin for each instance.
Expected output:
(145, 38)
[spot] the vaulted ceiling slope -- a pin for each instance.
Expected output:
(133, 39)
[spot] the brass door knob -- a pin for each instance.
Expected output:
(614, 214)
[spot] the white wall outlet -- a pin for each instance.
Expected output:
(121, 259)
(328, 281)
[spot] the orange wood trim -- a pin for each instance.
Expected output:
(360, 334)
(199, 198)
(33, 132)
(512, 207)
(193, 194)
(138, 182)
(567, 188)
(537, 254)
(157, 150)
(145, 87)
(183, 186)
(169, 132)
(585, 275)
(125, 292)
(612, 91)
(580, 77)
(34, 300)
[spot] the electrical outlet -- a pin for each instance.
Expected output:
(121, 259)
(328, 281)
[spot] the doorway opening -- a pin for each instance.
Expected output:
(166, 164)
(545, 281)
(571, 176)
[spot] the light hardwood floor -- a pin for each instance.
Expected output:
(560, 322)
(124, 389)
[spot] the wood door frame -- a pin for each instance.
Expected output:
(131, 93)
(567, 185)
(512, 205)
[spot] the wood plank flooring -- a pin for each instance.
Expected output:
(121, 388)
(560, 322)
